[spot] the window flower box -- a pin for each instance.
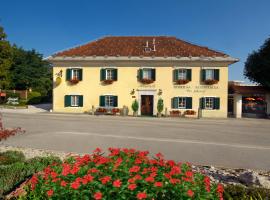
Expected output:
(101, 111)
(74, 81)
(175, 113)
(210, 81)
(115, 111)
(146, 81)
(108, 81)
(181, 81)
(190, 113)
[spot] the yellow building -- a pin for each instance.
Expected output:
(112, 72)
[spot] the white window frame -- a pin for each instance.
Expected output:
(109, 101)
(75, 74)
(184, 100)
(109, 74)
(182, 74)
(209, 74)
(74, 101)
(147, 73)
(209, 100)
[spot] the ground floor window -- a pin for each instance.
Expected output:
(73, 100)
(182, 102)
(210, 103)
(108, 101)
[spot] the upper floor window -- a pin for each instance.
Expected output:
(147, 75)
(210, 76)
(181, 76)
(74, 75)
(108, 75)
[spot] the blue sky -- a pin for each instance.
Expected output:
(236, 27)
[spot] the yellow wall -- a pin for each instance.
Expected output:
(91, 88)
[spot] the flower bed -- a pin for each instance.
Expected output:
(123, 174)
(175, 113)
(146, 81)
(181, 82)
(210, 81)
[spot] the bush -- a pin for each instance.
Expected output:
(135, 106)
(13, 95)
(237, 192)
(13, 174)
(9, 157)
(160, 105)
(123, 174)
(34, 98)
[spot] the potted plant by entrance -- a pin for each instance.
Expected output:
(160, 107)
(135, 107)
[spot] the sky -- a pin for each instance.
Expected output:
(235, 27)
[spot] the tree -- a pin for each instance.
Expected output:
(29, 70)
(257, 66)
(5, 60)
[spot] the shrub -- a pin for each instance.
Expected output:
(135, 106)
(237, 192)
(160, 105)
(9, 157)
(13, 95)
(13, 174)
(34, 98)
(123, 174)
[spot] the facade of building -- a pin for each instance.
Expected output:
(248, 100)
(114, 71)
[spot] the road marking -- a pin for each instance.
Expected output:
(166, 140)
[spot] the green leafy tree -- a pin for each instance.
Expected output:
(29, 70)
(257, 66)
(5, 60)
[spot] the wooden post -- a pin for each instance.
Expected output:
(1, 122)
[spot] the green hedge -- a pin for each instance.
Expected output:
(11, 175)
(34, 98)
(10, 157)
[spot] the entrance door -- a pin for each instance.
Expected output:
(147, 105)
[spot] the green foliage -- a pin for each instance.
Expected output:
(11, 175)
(160, 105)
(135, 106)
(9, 157)
(257, 66)
(237, 192)
(34, 97)
(13, 95)
(5, 60)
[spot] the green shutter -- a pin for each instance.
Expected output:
(101, 101)
(188, 102)
(115, 74)
(153, 74)
(80, 100)
(189, 74)
(175, 102)
(102, 74)
(175, 75)
(140, 74)
(80, 74)
(68, 74)
(216, 103)
(115, 101)
(67, 100)
(203, 74)
(202, 100)
(216, 74)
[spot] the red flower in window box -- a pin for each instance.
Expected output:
(146, 81)
(210, 81)
(175, 113)
(189, 112)
(102, 110)
(115, 110)
(74, 81)
(181, 81)
(108, 81)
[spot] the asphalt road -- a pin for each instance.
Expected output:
(243, 143)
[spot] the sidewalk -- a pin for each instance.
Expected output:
(39, 108)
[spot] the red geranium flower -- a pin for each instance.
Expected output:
(63, 183)
(158, 184)
(117, 183)
(134, 169)
(105, 179)
(132, 186)
(98, 195)
(141, 195)
(149, 179)
(50, 193)
(75, 185)
(190, 193)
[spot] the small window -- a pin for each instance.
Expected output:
(182, 102)
(109, 101)
(146, 74)
(75, 74)
(109, 74)
(209, 74)
(182, 74)
(209, 103)
(74, 101)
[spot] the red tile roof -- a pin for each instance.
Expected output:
(135, 46)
